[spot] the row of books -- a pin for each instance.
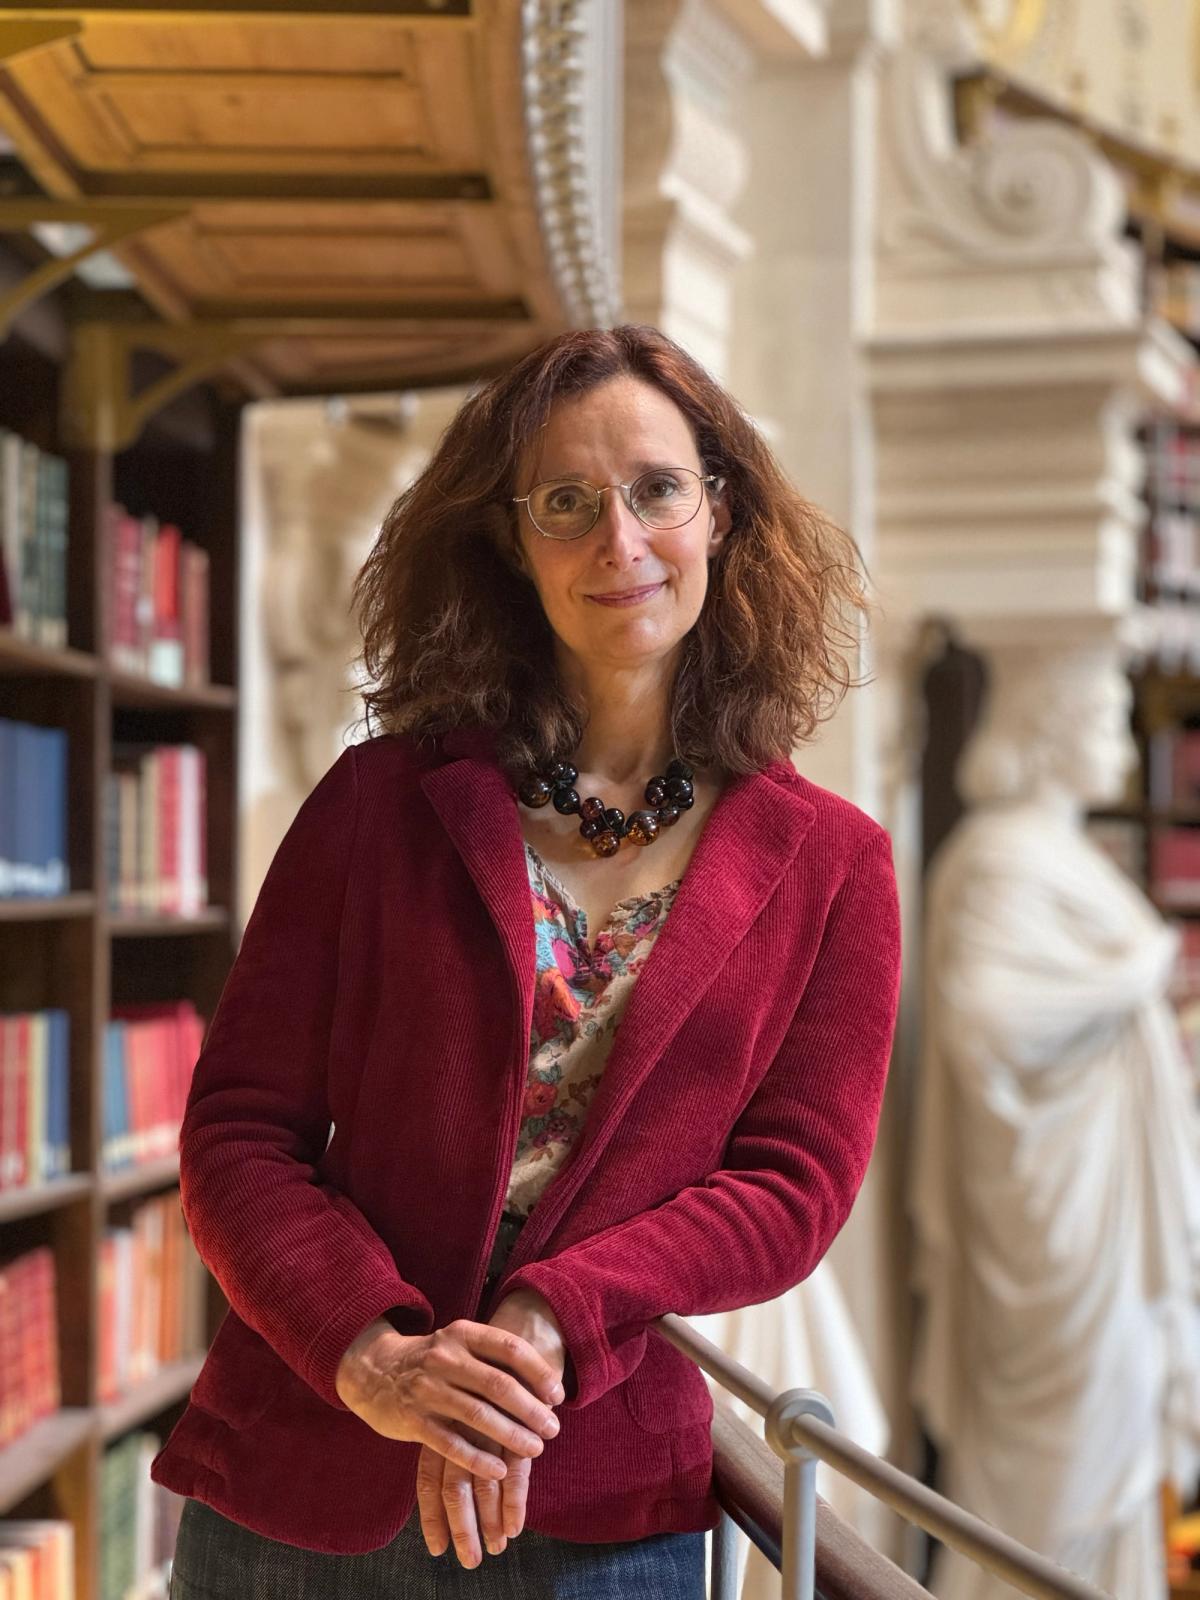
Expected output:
(139, 1522)
(1173, 767)
(33, 541)
(158, 599)
(149, 1053)
(35, 1097)
(1174, 551)
(1175, 294)
(30, 1376)
(152, 1292)
(155, 829)
(1165, 861)
(1173, 467)
(33, 810)
(37, 1559)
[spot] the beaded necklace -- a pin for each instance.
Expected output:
(668, 795)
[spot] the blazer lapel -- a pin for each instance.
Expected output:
(479, 811)
(751, 836)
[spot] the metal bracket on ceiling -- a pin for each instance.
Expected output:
(111, 222)
(99, 410)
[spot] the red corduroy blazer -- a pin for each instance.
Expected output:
(384, 984)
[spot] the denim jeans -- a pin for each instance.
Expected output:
(216, 1559)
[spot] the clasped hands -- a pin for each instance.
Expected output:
(464, 1506)
(477, 1397)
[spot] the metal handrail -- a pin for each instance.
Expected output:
(798, 1425)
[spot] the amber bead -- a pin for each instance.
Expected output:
(566, 801)
(680, 790)
(592, 809)
(563, 774)
(679, 769)
(616, 820)
(655, 792)
(606, 843)
(593, 826)
(668, 816)
(535, 791)
(642, 827)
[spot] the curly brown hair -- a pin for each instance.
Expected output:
(454, 634)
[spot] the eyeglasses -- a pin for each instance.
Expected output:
(665, 497)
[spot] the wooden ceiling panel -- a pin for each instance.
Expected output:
(355, 195)
(297, 252)
(230, 96)
(319, 364)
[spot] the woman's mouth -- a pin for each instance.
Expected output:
(628, 597)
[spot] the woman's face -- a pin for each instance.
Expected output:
(612, 434)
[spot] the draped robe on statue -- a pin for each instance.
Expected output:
(1056, 1192)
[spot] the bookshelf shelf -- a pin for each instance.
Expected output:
(38, 1454)
(52, 908)
(126, 924)
(141, 1179)
(130, 690)
(39, 1198)
(169, 1384)
(24, 656)
(71, 953)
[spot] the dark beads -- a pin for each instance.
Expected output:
(680, 790)
(606, 843)
(563, 774)
(642, 827)
(655, 792)
(592, 809)
(594, 826)
(668, 816)
(534, 792)
(566, 801)
(616, 820)
(679, 769)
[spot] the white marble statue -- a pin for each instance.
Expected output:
(1056, 1166)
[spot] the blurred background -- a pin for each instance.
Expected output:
(947, 255)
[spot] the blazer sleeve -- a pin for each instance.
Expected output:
(298, 1262)
(793, 1163)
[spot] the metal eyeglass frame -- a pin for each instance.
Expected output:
(627, 494)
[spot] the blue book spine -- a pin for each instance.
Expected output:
(121, 1083)
(8, 805)
(28, 764)
(56, 810)
(60, 1092)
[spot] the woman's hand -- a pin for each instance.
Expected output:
(466, 1505)
(416, 1386)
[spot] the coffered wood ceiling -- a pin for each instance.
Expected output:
(360, 170)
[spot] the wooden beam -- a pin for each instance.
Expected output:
(300, 11)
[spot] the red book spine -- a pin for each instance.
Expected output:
(20, 1147)
(8, 1360)
(168, 830)
(106, 1355)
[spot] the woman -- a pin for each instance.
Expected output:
(445, 1196)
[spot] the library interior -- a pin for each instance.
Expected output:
(255, 258)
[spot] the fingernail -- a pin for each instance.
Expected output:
(558, 1392)
(550, 1426)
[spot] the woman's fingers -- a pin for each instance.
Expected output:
(447, 1399)
(434, 1525)
(451, 1445)
(458, 1497)
(513, 1491)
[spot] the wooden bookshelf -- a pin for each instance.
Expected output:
(75, 952)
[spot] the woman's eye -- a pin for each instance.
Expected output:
(660, 488)
(564, 500)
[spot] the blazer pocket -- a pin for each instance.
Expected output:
(666, 1391)
(241, 1375)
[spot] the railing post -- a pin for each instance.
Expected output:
(723, 1573)
(799, 1487)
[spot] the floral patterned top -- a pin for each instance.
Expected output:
(581, 991)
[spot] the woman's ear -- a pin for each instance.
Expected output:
(721, 518)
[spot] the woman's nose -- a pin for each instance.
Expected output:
(618, 527)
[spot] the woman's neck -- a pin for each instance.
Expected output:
(628, 733)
